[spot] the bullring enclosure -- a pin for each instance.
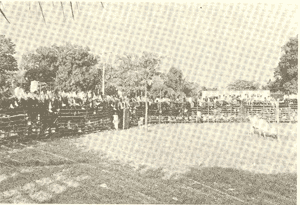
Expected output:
(187, 154)
(216, 163)
(148, 103)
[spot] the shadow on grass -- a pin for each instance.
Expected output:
(17, 143)
(247, 182)
(38, 163)
(247, 186)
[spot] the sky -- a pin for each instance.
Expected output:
(213, 44)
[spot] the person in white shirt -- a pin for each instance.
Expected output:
(116, 120)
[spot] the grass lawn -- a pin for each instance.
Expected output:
(182, 163)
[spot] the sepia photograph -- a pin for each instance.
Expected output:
(148, 102)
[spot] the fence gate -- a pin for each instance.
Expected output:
(126, 118)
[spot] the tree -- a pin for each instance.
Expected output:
(8, 62)
(273, 86)
(130, 72)
(158, 88)
(175, 79)
(111, 90)
(126, 74)
(41, 65)
(8, 65)
(191, 89)
(243, 85)
(78, 69)
(286, 73)
(148, 65)
(69, 67)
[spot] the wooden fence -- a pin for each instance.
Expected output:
(16, 124)
(19, 124)
(287, 113)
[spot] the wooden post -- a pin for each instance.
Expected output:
(263, 111)
(159, 117)
(208, 110)
(160, 109)
(277, 117)
(277, 111)
(146, 107)
(197, 110)
(103, 78)
(123, 118)
(39, 128)
(289, 112)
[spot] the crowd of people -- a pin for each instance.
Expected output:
(53, 102)
(48, 103)
(246, 100)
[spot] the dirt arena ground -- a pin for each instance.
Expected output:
(172, 163)
(178, 147)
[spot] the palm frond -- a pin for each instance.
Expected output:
(77, 6)
(2, 12)
(42, 11)
(4, 15)
(62, 8)
(2, 5)
(72, 10)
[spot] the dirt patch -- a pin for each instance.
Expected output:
(203, 163)
(183, 146)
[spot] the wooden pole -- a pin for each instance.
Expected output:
(123, 118)
(208, 108)
(289, 112)
(263, 111)
(197, 109)
(277, 117)
(277, 111)
(103, 83)
(159, 114)
(146, 107)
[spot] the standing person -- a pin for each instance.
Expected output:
(116, 120)
(120, 112)
(215, 99)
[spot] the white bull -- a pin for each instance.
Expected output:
(262, 127)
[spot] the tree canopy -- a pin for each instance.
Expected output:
(130, 72)
(7, 59)
(243, 85)
(175, 79)
(8, 65)
(286, 73)
(69, 67)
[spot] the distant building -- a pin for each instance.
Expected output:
(276, 96)
(242, 93)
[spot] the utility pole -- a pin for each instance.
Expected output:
(146, 101)
(197, 102)
(277, 117)
(160, 108)
(146, 106)
(103, 70)
(103, 79)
